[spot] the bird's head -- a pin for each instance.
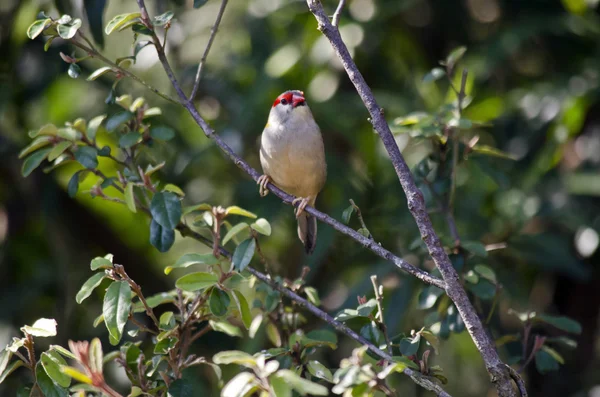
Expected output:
(290, 107)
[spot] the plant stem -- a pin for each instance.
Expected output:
(213, 33)
(379, 298)
(416, 204)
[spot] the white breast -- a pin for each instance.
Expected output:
(292, 154)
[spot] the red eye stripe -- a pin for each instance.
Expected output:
(286, 95)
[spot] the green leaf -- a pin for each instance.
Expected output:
(130, 197)
(544, 362)
(119, 21)
(163, 19)
(90, 285)
(218, 302)
(48, 129)
(320, 371)
(433, 340)
(169, 187)
(58, 150)
(455, 56)
(33, 161)
(124, 101)
(434, 74)
(166, 209)
(94, 9)
(234, 357)
(555, 355)
(243, 254)
(68, 31)
(94, 124)
(235, 210)
(234, 231)
(87, 156)
(199, 3)
(130, 139)
(141, 29)
(99, 72)
(410, 346)
(36, 28)
(313, 295)
(367, 308)
(52, 362)
(167, 321)
(486, 272)
(117, 303)
(5, 356)
(38, 143)
(196, 281)
(43, 327)
(63, 351)
(475, 248)
(162, 133)
(152, 111)
(197, 207)
(117, 119)
(99, 262)
(10, 369)
(262, 226)
(280, 387)
(74, 70)
(73, 185)
(160, 237)
(243, 307)
(47, 385)
(182, 388)
(302, 386)
(96, 355)
(347, 214)
(493, 152)
(68, 133)
(560, 322)
(226, 328)
(192, 259)
(472, 277)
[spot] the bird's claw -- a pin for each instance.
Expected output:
(262, 182)
(303, 202)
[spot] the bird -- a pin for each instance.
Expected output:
(292, 155)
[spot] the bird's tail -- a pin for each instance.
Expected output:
(307, 231)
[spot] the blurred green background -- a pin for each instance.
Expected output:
(534, 77)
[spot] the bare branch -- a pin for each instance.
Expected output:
(416, 204)
(287, 198)
(213, 33)
(335, 21)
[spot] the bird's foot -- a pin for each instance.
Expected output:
(262, 182)
(303, 202)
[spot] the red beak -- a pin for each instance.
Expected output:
(298, 100)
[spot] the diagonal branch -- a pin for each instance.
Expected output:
(287, 198)
(416, 204)
(213, 33)
(416, 376)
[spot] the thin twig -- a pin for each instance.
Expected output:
(360, 217)
(335, 21)
(379, 298)
(416, 204)
(200, 333)
(125, 72)
(213, 33)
